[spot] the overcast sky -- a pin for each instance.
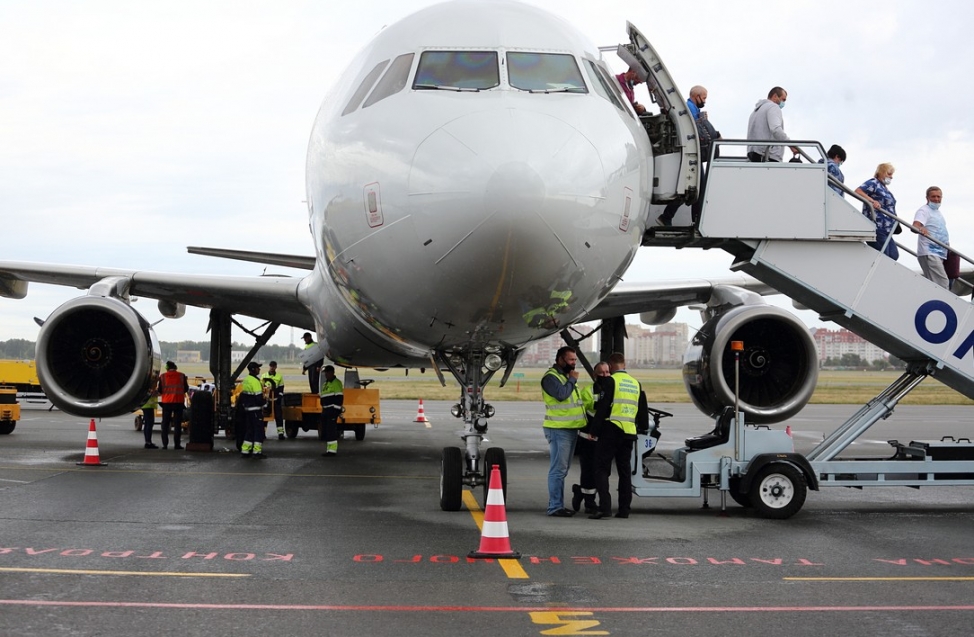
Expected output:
(130, 130)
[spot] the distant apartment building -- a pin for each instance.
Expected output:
(188, 356)
(645, 347)
(834, 343)
(662, 347)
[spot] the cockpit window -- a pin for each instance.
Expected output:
(602, 87)
(457, 70)
(393, 81)
(364, 88)
(544, 72)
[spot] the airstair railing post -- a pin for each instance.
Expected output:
(737, 347)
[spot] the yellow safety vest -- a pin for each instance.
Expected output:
(332, 394)
(566, 414)
(625, 402)
(278, 379)
(252, 392)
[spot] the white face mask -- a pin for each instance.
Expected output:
(934, 206)
(887, 180)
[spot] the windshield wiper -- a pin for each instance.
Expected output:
(442, 87)
(561, 89)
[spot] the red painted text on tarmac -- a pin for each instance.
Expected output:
(153, 555)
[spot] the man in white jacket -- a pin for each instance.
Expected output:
(766, 124)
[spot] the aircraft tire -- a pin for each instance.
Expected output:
(451, 479)
(7, 427)
(778, 491)
(495, 455)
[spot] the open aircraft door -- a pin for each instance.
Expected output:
(672, 131)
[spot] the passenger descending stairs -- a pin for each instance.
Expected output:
(787, 228)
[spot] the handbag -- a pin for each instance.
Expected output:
(952, 265)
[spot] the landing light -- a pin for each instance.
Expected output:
(493, 362)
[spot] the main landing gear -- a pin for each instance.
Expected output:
(459, 467)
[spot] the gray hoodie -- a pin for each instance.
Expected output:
(766, 123)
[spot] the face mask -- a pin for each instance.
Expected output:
(887, 180)
(701, 104)
(781, 104)
(934, 206)
(570, 368)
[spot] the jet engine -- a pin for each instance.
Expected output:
(96, 356)
(778, 365)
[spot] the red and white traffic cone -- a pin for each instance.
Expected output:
(494, 540)
(92, 458)
(421, 415)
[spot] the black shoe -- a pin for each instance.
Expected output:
(177, 446)
(280, 436)
(562, 513)
(622, 514)
(663, 221)
(260, 456)
(598, 515)
(165, 446)
(149, 445)
(577, 497)
(246, 455)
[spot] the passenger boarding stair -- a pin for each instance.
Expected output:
(787, 228)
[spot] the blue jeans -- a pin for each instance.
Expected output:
(561, 445)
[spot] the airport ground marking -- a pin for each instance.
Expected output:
(71, 571)
(511, 567)
(490, 609)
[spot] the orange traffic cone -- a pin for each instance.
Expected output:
(494, 540)
(92, 458)
(421, 415)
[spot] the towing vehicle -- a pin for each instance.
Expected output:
(9, 410)
(302, 411)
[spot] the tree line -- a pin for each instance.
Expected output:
(21, 349)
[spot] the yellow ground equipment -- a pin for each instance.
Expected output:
(9, 410)
(360, 408)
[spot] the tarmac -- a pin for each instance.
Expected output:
(190, 543)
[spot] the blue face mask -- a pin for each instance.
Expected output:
(934, 206)
(781, 104)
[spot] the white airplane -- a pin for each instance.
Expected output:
(475, 181)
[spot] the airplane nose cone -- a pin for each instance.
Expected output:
(489, 173)
(514, 185)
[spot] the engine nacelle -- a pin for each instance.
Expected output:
(96, 356)
(778, 367)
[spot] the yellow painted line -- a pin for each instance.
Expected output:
(511, 567)
(879, 579)
(68, 571)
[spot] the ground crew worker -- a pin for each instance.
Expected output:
(620, 409)
(564, 416)
(332, 397)
(251, 400)
(585, 447)
(173, 387)
(276, 397)
(312, 369)
(149, 418)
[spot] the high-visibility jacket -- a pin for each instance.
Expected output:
(625, 402)
(172, 387)
(251, 393)
(563, 414)
(332, 394)
(278, 379)
(152, 403)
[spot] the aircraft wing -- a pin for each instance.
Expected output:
(636, 298)
(272, 298)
